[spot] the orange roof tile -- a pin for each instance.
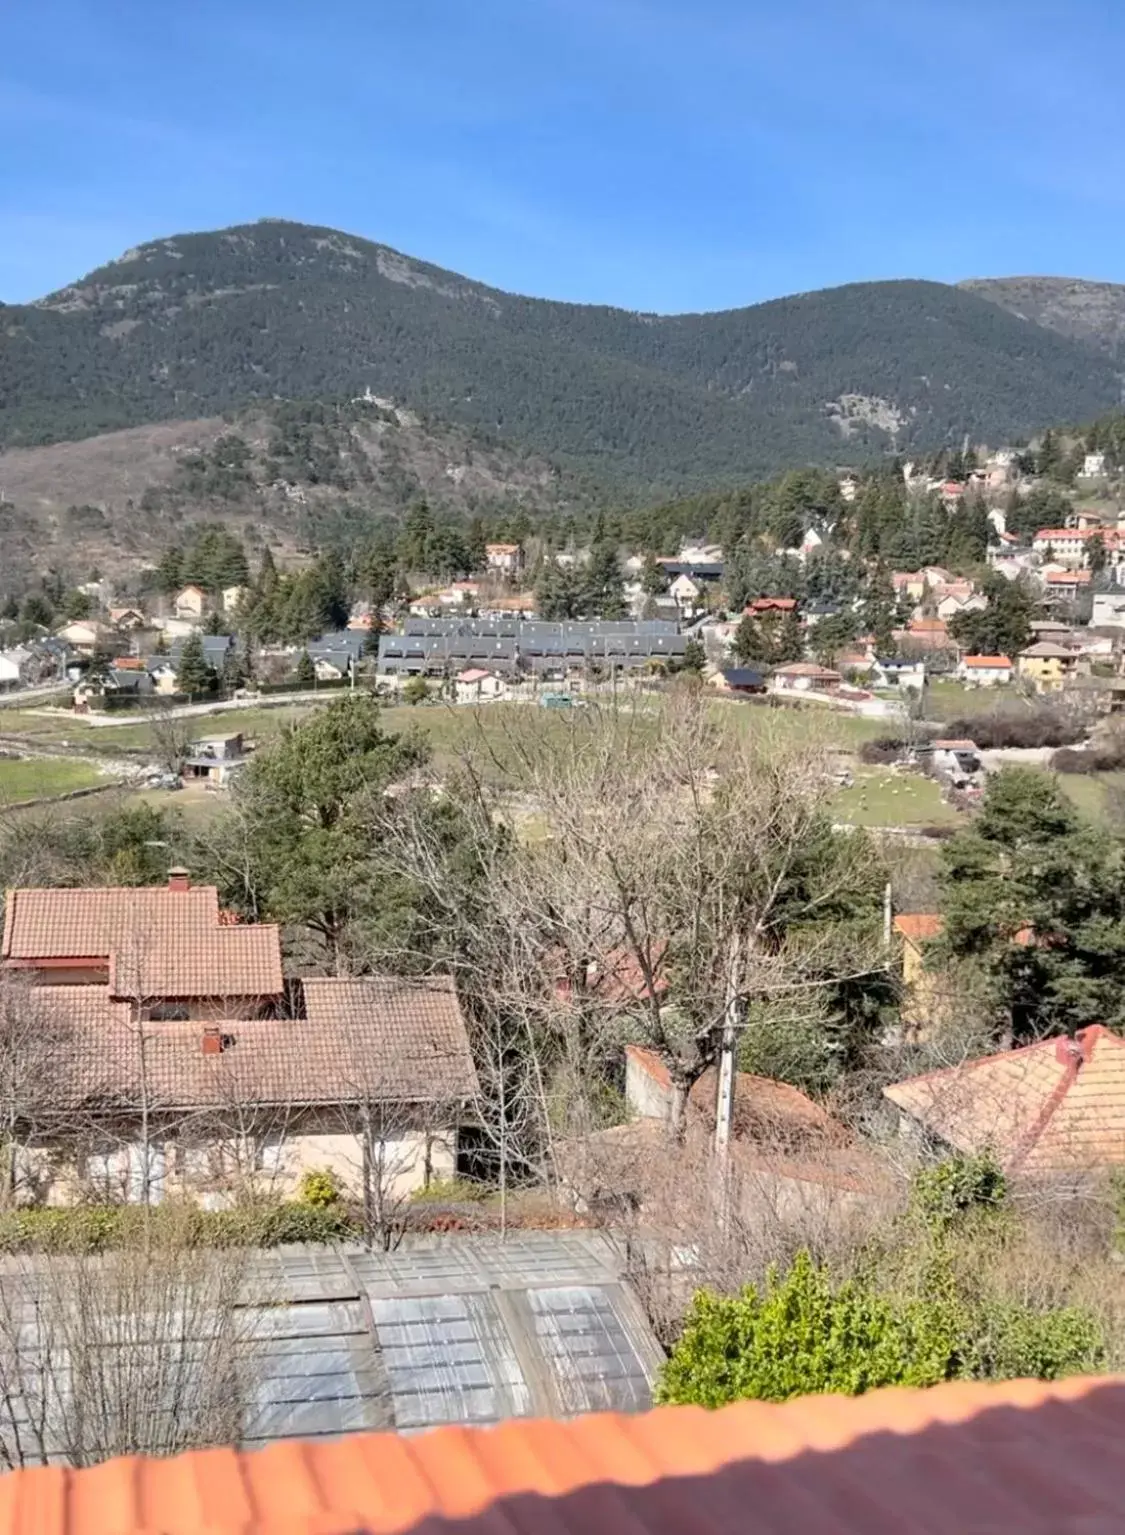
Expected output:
(1067, 577)
(990, 661)
(159, 942)
(1021, 1456)
(366, 1039)
(65, 924)
(1057, 1106)
(918, 926)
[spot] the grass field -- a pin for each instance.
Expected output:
(881, 798)
(948, 700)
(24, 779)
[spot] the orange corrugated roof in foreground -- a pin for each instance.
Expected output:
(1023, 1456)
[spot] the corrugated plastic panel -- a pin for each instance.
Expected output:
(591, 1360)
(449, 1359)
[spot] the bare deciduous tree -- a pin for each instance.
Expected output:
(145, 1350)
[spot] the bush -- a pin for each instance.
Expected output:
(801, 1335)
(946, 1192)
(320, 1188)
(882, 751)
(99, 1228)
(1000, 728)
(1098, 759)
(807, 1333)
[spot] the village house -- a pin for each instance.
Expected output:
(924, 1001)
(15, 665)
(231, 597)
(85, 635)
(1093, 466)
(1108, 610)
(1047, 665)
(762, 606)
(459, 594)
(128, 617)
(190, 602)
(183, 1062)
(954, 602)
(804, 677)
(1065, 585)
(984, 671)
(215, 760)
(896, 672)
(739, 679)
(1056, 1107)
(504, 559)
(476, 684)
(923, 635)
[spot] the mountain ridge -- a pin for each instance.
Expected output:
(194, 324)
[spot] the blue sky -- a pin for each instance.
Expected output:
(657, 154)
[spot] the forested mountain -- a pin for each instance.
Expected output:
(293, 474)
(196, 324)
(1093, 312)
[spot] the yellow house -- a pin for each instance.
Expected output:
(1046, 665)
(922, 998)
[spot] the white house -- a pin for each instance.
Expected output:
(84, 634)
(686, 592)
(13, 667)
(190, 602)
(475, 685)
(950, 606)
(505, 559)
(984, 671)
(1108, 610)
(1066, 545)
(1093, 466)
(232, 596)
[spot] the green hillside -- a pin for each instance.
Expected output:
(196, 324)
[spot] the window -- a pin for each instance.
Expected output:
(168, 1012)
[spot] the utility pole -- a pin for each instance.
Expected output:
(724, 1102)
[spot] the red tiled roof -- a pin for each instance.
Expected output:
(919, 926)
(1053, 533)
(224, 962)
(927, 626)
(762, 1106)
(1057, 1106)
(989, 661)
(1012, 1458)
(1067, 577)
(64, 924)
(156, 942)
(364, 1039)
(771, 605)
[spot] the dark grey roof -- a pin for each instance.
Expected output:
(215, 647)
(743, 677)
(444, 1330)
(698, 570)
(533, 630)
(349, 641)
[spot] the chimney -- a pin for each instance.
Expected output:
(212, 1041)
(179, 879)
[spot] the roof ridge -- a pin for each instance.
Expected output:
(1055, 1098)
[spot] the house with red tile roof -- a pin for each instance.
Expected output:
(182, 1061)
(1056, 1107)
(1012, 1457)
(984, 671)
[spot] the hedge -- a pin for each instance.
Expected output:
(97, 1228)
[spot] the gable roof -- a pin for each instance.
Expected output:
(1047, 650)
(1056, 1106)
(993, 662)
(376, 1038)
(156, 942)
(1013, 1456)
(68, 924)
(1067, 577)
